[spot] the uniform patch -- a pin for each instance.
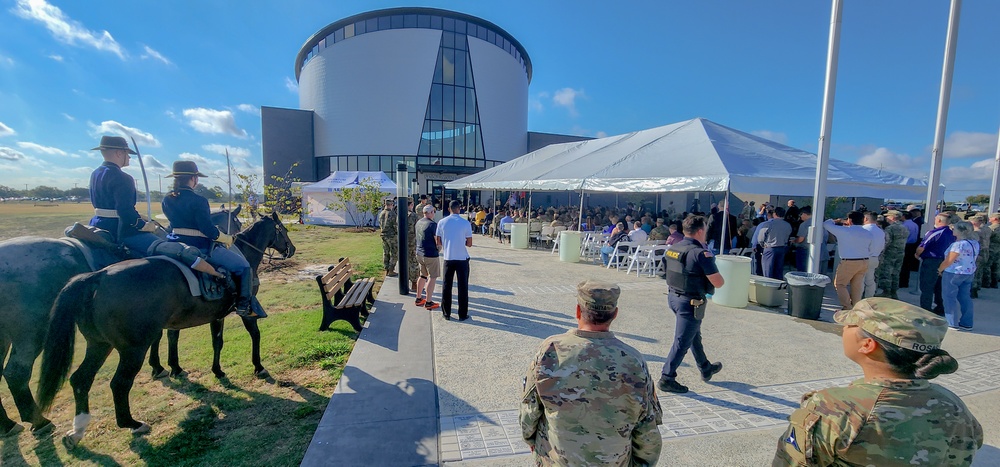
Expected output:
(792, 441)
(708, 254)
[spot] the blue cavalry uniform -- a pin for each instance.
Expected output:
(689, 264)
(190, 223)
(113, 195)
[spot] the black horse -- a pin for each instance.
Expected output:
(125, 307)
(34, 270)
(254, 253)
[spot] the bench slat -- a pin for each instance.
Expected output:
(336, 269)
(358, 293)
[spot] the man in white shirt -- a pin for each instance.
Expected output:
(878, 244)
(453, 235)
(638, 235)
(854, 245)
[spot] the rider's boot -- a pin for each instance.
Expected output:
(244, 302)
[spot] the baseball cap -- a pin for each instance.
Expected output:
(898, 323)
(597, 296)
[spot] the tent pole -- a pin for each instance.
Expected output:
(815, 234)
(528, 216)
(725, 222)
(579, 221)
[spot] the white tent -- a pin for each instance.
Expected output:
(317, 197)
(697, 155)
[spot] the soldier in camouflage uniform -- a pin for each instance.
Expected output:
(983, 234)
(589, 399)
(891, 260)
(390, 248)
(412, 268)
(893, 416)
(660, 232)
(994, 269)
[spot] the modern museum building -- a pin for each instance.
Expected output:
(444, 92)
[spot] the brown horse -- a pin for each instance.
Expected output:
(125, 307)
(35, 269)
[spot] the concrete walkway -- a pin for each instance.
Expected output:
(419, 390)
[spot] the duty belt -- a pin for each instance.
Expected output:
(109, 213)
(188, 232)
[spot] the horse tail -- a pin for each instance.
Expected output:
(58, 353)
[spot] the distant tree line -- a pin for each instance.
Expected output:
(214, 193)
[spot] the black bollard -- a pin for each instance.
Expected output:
(401, 204)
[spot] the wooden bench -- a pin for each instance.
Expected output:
(344, 298)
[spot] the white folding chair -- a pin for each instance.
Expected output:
(622, 251)
(638, 257)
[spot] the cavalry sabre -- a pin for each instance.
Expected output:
(145, 181)
(229, 171)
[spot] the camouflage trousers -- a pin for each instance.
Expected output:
(412, 268)
(887, 274)
(982, 264)
(390, 253)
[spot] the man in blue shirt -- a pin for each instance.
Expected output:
(931, 253)
(505, 220)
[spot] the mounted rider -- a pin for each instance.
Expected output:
(190, 223)
(112, 192)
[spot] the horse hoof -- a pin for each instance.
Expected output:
(71, 440)
(262, 374)
(142, 429)
(219, 374)
(178, 374)
(42, 429)
(13, 431)
(160, 374)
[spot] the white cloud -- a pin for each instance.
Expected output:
(187, 156)
(56, 57)
(113, 127)
(566, 97)
(600, 134)
(291, 85)
(150, 53)
(152, 162)
(536, 105)
(6, 130)
(968, 180)
(903, 164)
(970, 144)
(10, 154)
(68, 117)
(220, 149)
(213, 121)
(66, 29)
(775, 136)
(248, 108)
(42, 149)
(5, 60)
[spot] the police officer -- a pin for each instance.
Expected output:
(589, 399)
(892, 416)
(112, 192)
(691, 274)
(387, 223)
(190, 223)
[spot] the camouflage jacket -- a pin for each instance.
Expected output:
(589, 400)
(411, 231)
(984, 235)
(387, 222)
(884, 422)
(659, 233)
(895, 238)
(994, 239)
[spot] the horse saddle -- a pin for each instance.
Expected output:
(95, 244)
(201, 285)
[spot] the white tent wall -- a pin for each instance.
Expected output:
(317, 197)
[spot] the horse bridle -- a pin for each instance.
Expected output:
(263, 252)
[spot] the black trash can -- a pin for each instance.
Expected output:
(805, 294)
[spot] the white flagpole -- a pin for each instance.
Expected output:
(951, 43)
(823, 157)
(995, 190)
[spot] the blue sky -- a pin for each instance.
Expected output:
(188, 78)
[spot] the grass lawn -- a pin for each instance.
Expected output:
(200, 420)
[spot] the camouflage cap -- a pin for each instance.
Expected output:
(898, 323)
(597, 296)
